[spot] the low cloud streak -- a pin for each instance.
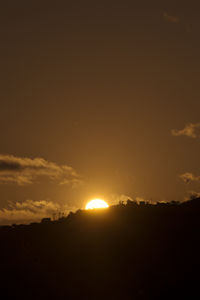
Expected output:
(30, 211)
(24, 171)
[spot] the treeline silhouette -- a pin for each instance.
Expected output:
(128, 251)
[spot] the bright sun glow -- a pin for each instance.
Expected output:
(96, 203)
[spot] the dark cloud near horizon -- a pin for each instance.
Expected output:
(31, 211)
(23, 170)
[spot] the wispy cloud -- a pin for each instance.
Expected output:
(189, 177)
(116, 198)
(190, 130)
(171, 18)
(24, 171)
(29, 211)
(73, 182)
(192, 195)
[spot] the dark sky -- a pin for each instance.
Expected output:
(109, 88)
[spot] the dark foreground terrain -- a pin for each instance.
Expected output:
(133, 251)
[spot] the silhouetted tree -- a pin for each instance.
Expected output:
(129, 251)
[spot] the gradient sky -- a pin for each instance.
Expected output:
(107, 88)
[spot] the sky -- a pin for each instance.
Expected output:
(99, 99)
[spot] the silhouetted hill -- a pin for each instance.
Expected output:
(132, 251)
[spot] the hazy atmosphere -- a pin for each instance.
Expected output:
(98, 99)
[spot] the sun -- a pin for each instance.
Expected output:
(96, 203)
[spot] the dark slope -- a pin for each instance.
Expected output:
(125, 252)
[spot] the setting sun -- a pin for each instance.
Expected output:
(96, 203)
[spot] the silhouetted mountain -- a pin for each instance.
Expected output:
(132, 251)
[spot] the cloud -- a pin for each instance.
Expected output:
(171, 19)
(189, 177)
(24, 171)
(190, 130)
(192, 195)
(74, 182)
(29, 211)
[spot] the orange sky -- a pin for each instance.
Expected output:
(109, 88)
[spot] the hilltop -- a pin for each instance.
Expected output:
(128, 251)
